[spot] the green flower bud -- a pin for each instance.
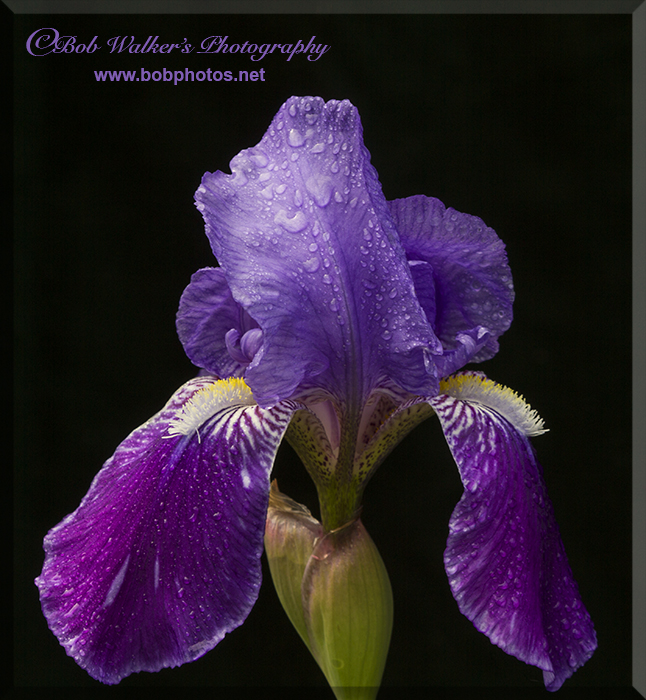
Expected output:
(336, 592)
(348, 611)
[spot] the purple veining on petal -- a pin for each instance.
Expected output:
(465, 269)
(210, 323)
(422, 274)
(505, 560)
(162, 557)
(307, 243)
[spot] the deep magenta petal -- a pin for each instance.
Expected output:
(162, 557)
(304, 235)
(505, 560)
(471, 279)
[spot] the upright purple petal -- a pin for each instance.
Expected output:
(207, 312)
(162, 557)
(307, 243)
(505, 560)
(466, 269)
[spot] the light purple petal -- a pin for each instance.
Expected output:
(304, 235)
(505, 560)
(162, 557)
(207, 312)
(470, 274)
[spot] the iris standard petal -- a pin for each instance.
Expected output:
(469, 344)
(304, 235)
(162, 557)
(468, 264)
(207, 312)
(505, 560)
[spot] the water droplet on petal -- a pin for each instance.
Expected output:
(321, 189)
(259, 159)
(312, 265)
(295, 138)
(240, 179)
(294, 224)
(318, 148)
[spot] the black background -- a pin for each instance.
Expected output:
(523, 120)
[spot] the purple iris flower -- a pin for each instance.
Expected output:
(347, 316)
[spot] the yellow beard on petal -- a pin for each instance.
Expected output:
(474, 387)
(205, 403)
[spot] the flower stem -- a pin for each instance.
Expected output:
(340, 497)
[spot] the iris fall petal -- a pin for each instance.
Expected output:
(162, 557)
(505, 560)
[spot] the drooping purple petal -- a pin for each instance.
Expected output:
(466, 269)
(162, 557)
(207, 313)
(304, 235)
(505, 560)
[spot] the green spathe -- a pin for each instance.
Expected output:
(348, 607)
(290, 535)
(335, 590)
